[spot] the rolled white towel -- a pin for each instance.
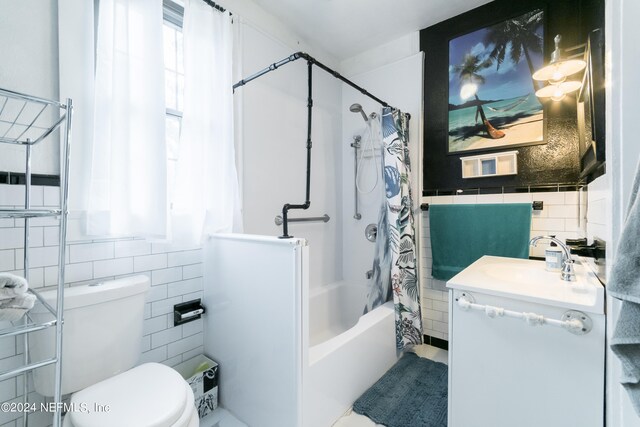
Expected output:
(9, 293)
(25, 301)
(12, 285)
(13, 309)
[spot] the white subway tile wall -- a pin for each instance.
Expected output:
(175, 272)
(597, 211)
(559, 217)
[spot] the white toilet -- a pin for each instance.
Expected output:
(102, 340)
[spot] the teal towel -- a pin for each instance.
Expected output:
(461, 234)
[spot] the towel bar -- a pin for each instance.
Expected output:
(573, 321)
(537, 206)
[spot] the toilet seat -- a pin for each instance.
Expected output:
(193, 421)
(149, 395)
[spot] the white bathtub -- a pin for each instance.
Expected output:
(347, 351)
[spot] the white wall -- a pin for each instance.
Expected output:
(29, 64)
(255, 326)
(273, 145)
(77, 59)
(262, 20)
(400, 84)
(388, 53)
(598, 204)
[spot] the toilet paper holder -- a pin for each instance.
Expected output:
(186, 312)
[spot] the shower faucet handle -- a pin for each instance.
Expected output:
(371, 232)
(369, 274)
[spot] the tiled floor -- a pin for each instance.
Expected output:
(433, 353)
(221, 418)
(351, 419)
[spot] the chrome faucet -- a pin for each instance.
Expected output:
(568, 274)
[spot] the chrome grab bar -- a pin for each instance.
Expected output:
(356, 144)
(323, 218)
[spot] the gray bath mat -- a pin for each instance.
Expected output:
(413, 393)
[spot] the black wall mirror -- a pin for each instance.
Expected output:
(591, 110)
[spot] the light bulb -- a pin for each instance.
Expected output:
(557, 77)
(558, 94)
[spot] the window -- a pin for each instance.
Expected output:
(174, 83)
(174, 86)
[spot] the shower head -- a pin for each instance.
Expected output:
(357, 108)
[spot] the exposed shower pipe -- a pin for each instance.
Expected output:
(287, 207)
(315, 62)
(310, 62)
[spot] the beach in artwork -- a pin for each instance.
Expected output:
(492, 102)
(521, 123)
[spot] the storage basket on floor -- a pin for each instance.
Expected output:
(202, 375)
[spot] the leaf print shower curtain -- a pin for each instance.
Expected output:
(401, 229)
(395, 268)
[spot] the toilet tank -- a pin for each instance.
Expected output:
(102, 333)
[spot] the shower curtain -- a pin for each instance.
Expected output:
(395, 267)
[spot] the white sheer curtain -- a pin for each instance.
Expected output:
(128, 187)
(206, 198)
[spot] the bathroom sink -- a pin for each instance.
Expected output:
(528, 274)
(528, 280)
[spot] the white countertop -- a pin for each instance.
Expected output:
(527, 280)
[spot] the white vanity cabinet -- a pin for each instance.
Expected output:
(526, 349)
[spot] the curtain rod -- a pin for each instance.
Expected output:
(174, 12)
(317, 63)
(215, 5)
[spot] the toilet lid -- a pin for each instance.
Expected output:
(149, 395)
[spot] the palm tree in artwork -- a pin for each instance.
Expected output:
(469, 74)
(518, 34)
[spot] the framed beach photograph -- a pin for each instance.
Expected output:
(492, 101)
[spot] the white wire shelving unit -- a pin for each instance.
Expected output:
(27, 121)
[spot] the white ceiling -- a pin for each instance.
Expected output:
(345, 28)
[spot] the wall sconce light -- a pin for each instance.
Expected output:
(557, 91)
(556, 74)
